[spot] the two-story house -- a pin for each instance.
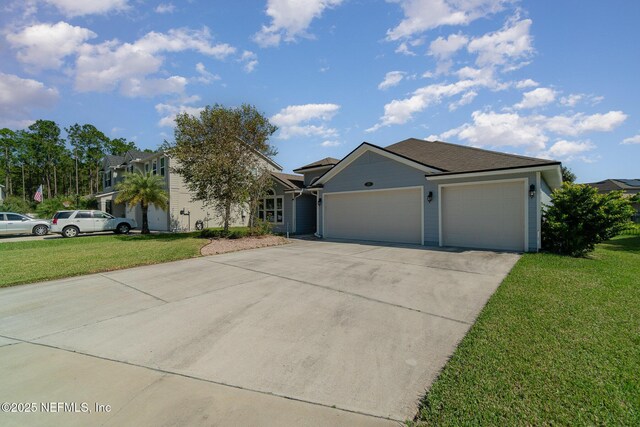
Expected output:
(278, 207)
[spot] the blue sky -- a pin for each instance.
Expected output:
(540, 78)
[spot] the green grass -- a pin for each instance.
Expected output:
(558, 344)
(34, 261)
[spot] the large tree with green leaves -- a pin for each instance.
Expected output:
(220, 155)
(143, 189)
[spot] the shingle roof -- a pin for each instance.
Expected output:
(114, 160)
(292, 181)
(327, 161)
(629, 185)
(453, 158)
(140, 154)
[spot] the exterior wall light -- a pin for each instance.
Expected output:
(430, 196)
(532, 191)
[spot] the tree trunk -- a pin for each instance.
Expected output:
(55, 181)
(227, 216)
(24, 194)
(7, 171)
(145, 219)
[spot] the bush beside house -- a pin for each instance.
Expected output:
(579, 218)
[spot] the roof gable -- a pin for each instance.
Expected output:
(322, 163)
(365, 147)
(292, 182)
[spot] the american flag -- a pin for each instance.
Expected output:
(38, 196)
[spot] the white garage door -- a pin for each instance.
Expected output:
(378, 215)
(488, 216)
(157, 219)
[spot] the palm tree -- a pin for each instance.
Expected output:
(145, 189)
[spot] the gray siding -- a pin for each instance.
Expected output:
(306, 214)
(310, 176)
(545, 193)
(287, 224)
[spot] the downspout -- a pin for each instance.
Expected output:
(318, 235)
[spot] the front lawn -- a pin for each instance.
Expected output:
(34, 261)
(558, 344)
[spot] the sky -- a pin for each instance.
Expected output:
(552, 79)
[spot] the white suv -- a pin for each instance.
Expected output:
(72, 223)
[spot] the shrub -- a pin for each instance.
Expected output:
(15, 204)
(579, 218)
(48, 207)
(219, 233)
(261, 228)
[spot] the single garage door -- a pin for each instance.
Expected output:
(378, 215)
(484, 215)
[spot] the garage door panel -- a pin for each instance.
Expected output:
(386, 216)
(484, 216)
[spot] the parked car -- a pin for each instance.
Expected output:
(13, 223)
(72, 223)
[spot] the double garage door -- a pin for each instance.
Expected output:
(488, 215)
(377, 215)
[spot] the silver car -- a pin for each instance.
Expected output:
(72, 223)
(13, 223)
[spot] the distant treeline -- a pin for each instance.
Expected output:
(65, 167)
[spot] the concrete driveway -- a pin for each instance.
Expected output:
(310, 333)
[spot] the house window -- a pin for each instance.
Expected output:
(146, 168)
(107, 179)
(271, 208)
(162, 166)
(154, 168)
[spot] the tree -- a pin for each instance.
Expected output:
(8, 145)
(89, 145)
(47, 148)
(143, 189)
(568, 175)
(120, 146)
(219, 154)
(579, 218)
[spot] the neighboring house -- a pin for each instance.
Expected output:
(182, 212)
(629, 188)
(1, 193)
(433, 193)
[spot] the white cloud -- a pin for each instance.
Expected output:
(205, 77)
(73, 8)
(467, 98)
(423, 15)
(44, 46)
(443, 48)
(568, 150)
(504, 47)
(250, 60)
(536, 98)
(170, 111)
(571, 100)
(135, 87)
(404, 49)
(293, 120)
(527, 83)
(392, 78)
(19, 96)
(165, 8)
(400, 111)
(330, 143)
(290, 19)
(632, 140)
(113, 64)
(491, 129)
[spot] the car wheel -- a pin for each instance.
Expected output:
(70, 231)
(123, 228)
(40, 230)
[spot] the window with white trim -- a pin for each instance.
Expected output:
(162, 166)
(271, 208)
(154, 168)
(107, 179)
